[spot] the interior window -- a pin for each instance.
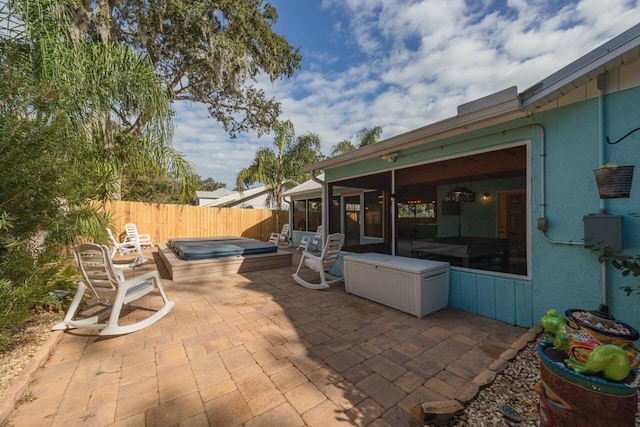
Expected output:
(373, 213)
(352, 220)
(300, 215)
(314, 214)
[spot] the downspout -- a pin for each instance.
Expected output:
(603, 206)
(324, 200)
(601, 134)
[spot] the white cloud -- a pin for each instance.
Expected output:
(422, 59)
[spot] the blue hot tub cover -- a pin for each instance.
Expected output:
(208, 248)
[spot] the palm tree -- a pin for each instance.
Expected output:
(281, 169)
(364, 137)
(108, 91)
(61, 144)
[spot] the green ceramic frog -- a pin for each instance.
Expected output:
(609, 359)
(554, 324)
(586, 354)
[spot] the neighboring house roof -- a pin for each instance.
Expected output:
(237, 198)
(309, 186)
(506, 104)
(216, 194)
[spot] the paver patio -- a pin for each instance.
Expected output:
(257, 349)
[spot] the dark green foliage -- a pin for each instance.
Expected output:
(628, 265)
(207, 52)
(209, 184)
(43, 190)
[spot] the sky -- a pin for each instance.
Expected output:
(402, 64)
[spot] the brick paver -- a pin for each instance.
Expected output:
(259, 350)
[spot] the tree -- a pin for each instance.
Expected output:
(157, 188)
(44, 202)
(105, 85)
(207, 52)
(364, 137)
(209, 184)
(281, 169)
(160, 188)
(61, 145)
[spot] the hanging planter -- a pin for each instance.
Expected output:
(614, 181)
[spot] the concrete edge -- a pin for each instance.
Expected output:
(441, 412)
(18, 387)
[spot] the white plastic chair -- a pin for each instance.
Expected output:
(111, 292)
(132, 234)
(312, 242)
(125, 248)
(321, 262)
(281, 238)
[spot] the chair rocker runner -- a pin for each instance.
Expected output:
(125, 248)
(132, 234)
(320, 262)
(111, 292)
(281, 238)
(314, 242)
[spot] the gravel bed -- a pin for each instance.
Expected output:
(514, 387)
(26, 341)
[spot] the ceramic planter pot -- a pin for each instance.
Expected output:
(570, 399)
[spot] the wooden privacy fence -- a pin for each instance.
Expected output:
(164, 222)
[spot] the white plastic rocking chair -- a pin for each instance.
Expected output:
(312, 242)
(132, 234)
(125, 248)
(281, 238)
(111, 291)
(320, 262)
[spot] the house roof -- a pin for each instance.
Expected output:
(506, 103)
(216, 194)
(236, 197)
(309, 186)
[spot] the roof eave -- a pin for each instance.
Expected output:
(607, 57)
(473, 113)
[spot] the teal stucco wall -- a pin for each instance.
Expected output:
(570, 276)
(563, 275)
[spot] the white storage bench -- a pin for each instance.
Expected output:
(415, 286)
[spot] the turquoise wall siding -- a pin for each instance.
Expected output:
(569, 276)
(563, 276)
(505, 299)
(296, 236)
(337, 269)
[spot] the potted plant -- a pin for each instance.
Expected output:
(614, 181)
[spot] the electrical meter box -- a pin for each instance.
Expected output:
(602, 230)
